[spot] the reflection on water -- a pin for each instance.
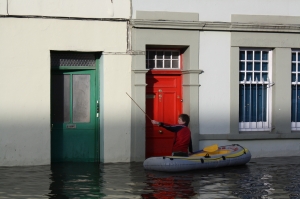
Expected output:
(261, 178)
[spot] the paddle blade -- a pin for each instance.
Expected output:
(211, 148)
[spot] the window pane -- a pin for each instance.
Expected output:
(257, 66)
(294, 67)
(151, 54)
(242, 76)
(265, 76)
(162, 59)
(167, 64)
(293, 77)
(159, 55)
(159, 64)
(81, 98)
(264, 55)
(249, 65)
(295, 103)
(252, 103)
(257, 55)
(242, 55)
(298, 67)
(60, 94)
(256, 76)
(175, 64)
(175, 55)
(72, 59)
(249, 55)
(242, 65)
(249, 76)
(264, 66)
(293, 56)
(298, 57)
(167, 55)
(151, 64)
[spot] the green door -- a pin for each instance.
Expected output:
(73, 116)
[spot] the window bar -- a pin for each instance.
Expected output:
(262, 103)
(268, 115)
(256, 103)
(296, 106)
(244, 116)
(250, 104)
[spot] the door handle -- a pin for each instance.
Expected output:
(97, 109)
(160, 132)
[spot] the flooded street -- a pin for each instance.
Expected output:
(260, 178)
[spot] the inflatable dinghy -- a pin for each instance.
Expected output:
(210, 157)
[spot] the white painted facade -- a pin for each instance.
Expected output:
(217, 50)
(27, 35)
(219, 10)
(113, 27)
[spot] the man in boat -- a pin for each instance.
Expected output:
(182, 141)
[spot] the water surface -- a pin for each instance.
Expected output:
(260, 178)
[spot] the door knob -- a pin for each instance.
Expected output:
(160, 132)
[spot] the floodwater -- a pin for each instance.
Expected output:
(260, 178)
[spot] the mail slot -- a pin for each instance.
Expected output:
(71, 126)
(150, 96)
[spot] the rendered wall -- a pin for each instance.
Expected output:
(219, 59)
(25, 84)
(67, 8)
(219, 10)
(214, 92)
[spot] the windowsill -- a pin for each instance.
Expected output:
(251, 136)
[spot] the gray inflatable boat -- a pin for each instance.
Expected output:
(212, 157)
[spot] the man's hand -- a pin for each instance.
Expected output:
(155, 122)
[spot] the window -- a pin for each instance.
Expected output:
(163, 59)
(254, 90)
(295, 90)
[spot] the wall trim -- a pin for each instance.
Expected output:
(250, 136)
(215, 26)
(64, 18)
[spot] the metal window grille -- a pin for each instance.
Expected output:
(163, 59)
(295, 69)
(254, 90)
(72, 59)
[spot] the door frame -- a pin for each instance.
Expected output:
(97, 93)
(179, 107)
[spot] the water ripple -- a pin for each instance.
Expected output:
(264, 178)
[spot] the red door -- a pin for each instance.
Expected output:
(164, 104)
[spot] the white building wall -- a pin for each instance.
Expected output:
(262, 148)
(67, 8)
(116, 80)
(25, 84)
(214, 94)
(220, 10)
(214, 60)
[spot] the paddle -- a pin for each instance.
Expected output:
(211, 148)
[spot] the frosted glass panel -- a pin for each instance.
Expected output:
(81, 98)
(60, 108)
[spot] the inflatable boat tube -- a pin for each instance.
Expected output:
(230, 155)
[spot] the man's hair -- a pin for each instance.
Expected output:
(185, 118)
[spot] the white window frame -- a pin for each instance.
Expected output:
(258, 125)
(295, 126)
(163, 59)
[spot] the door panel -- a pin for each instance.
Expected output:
(73, 116)
(163, 103)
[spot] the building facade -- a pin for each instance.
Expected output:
(239, 68)
(81, 80)
(65, 68)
